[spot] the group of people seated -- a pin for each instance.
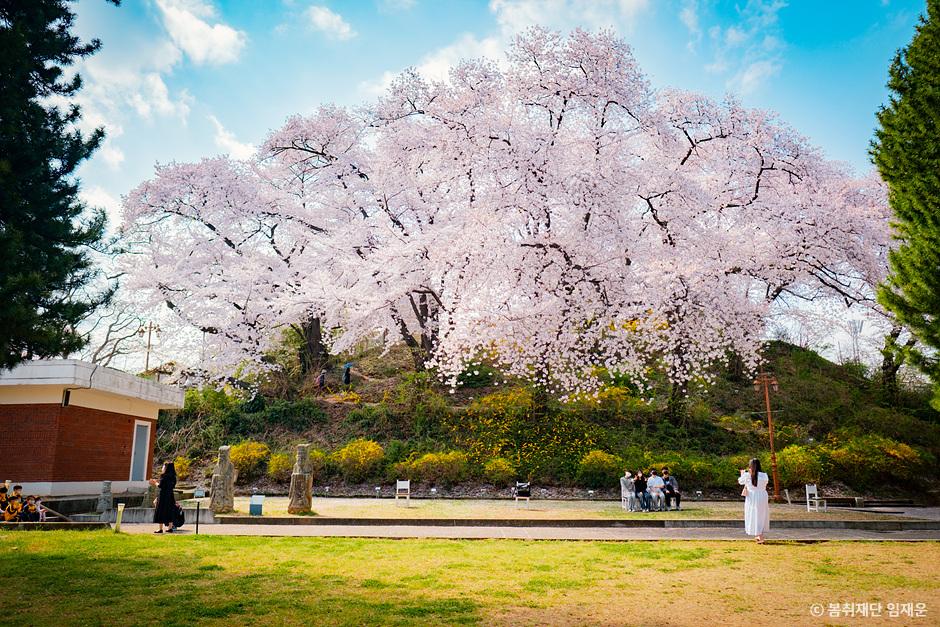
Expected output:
(653, 494)
(18, 508)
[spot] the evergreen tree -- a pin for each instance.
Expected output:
(46, 274)
(907, 153)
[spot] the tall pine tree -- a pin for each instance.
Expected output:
(46, 273)
(907, 153)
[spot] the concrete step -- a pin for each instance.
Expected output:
(871, 525)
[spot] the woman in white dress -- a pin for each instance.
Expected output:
(756, 507)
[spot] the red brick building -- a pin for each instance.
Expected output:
(67, 425)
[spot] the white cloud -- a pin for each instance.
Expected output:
(227, 141)
(112, 155)
(204, 43)
(119, 85)
(749, 51)
(514, 17)
(330, 23)
(752, 77)
(96, 197)
(436, 66)
(735, 36)
(151, 97)
(689, 18)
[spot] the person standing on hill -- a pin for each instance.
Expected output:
(165, 503)
(756, 505)
(347, 374)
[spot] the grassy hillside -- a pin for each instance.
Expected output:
(831, 426)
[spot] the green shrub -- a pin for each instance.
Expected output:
(598, 469)
(358, 460)
(397, 451)
(424, 409)
(183, 466)
(294, 415)
(873, 460)
(477, 376)
(499, 472)
(545, 442)
(371, 418)
(799, 465)
(280, 466)
(444, 469)
(248, 458)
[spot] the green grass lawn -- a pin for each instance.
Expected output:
(55, 578)
(539, 509)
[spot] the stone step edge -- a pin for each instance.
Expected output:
(54, 526)
(871, 525)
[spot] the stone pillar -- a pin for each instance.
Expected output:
(301, 482)
(151, 496)
(105, 502)
(223, 483)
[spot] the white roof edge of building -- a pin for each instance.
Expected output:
(76, 374)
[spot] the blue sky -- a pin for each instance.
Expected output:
(178, 80)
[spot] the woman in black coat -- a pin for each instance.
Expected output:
(165, 504)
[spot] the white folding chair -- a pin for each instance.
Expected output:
(403, 488)
(812, 498)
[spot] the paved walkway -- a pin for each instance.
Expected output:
(538, 533)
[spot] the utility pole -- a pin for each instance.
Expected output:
(767, 381)
(150, 328)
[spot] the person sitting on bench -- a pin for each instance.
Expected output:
(14, 507)
(672, 489)
(655, 486)
(30, 510)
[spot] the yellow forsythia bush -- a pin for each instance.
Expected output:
(358, 460)
(280, 466)
(248, 458)
(598, 469)
(499, 472)
(183, 466)
(444, 469)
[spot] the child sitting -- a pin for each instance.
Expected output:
(13, 510)
(30, 510)
(4, 498)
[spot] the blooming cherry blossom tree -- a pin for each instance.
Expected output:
(553, 215)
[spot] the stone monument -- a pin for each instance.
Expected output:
(151, 496)
(301, 482)
(223, 483)
(105, 501)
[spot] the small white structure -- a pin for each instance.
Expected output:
(403, 489)
(812, 498)
(68, 425)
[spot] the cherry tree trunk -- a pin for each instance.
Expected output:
(312, 354)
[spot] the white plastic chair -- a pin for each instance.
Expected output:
(403, 488)
(812, 498)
